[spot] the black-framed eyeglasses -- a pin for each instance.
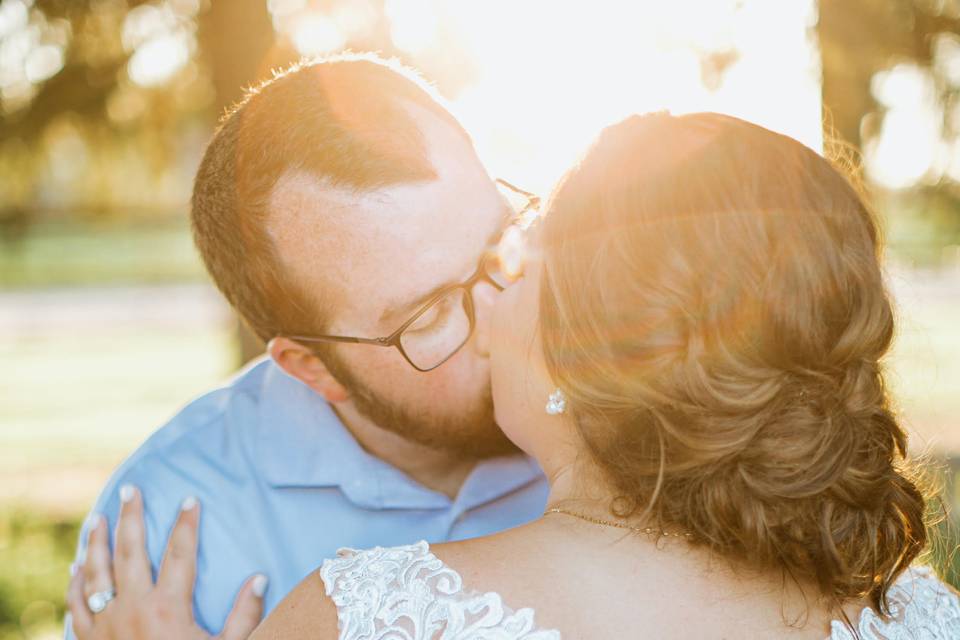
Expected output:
(443, 324)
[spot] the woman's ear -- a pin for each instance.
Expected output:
(304, 365)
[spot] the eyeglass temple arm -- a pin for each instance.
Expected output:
(533, 197)
(346, 339)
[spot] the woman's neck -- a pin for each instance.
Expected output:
(577, 483)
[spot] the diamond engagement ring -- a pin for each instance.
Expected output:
(98, 601)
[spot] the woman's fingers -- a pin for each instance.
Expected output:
(97, 567)
(79, 615)
(131, 564)
(247, 610)
(179, 568)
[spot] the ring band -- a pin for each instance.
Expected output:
(98, 601)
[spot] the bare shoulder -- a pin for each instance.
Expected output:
(497, 560)
(306, 612)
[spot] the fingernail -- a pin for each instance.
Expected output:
(188, 504)
(259, 586)
(127, 492)
(73, 569)
(94, 521)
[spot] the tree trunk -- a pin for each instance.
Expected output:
(848, 67)
(235, 38)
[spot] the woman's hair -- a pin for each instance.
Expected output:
(713, 306)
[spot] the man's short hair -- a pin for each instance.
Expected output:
(340, 119)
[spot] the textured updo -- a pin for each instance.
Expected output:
(713, 306)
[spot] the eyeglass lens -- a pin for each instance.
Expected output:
(440, 330)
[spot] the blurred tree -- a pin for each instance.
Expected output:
(236, 38)
(118, 79)
(860, 39)
(93, 61)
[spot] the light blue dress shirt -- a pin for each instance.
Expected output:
(283, 484)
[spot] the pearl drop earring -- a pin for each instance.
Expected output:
(556, 403)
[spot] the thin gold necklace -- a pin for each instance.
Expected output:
(620, 525)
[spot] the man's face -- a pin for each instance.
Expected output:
(378, 256)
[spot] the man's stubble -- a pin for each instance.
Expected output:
(472, 433)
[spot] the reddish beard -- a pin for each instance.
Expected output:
(472, 433)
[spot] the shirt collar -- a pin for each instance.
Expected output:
(492, 479)
(301, 442)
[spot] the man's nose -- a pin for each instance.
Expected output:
(484, 297)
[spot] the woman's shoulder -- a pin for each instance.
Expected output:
(919, 601)
(306, 612)
(500, 557)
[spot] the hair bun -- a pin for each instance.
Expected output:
(718, 333)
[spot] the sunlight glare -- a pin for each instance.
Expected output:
(145, 22)
(907, 147)
(413, 24)
(546, 87)
(355, 18)
(947, 57)
(314, 33)
(157, 60)
(13, 16)
(511, 252)
(43, 62)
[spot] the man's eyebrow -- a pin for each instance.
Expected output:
(399, 307)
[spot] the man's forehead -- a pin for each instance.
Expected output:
(378, 246)
(310, 213)
(323, 234)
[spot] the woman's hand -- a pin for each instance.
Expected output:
(135, 607)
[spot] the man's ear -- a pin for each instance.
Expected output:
(304, 365)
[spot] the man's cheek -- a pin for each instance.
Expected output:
(383, 362)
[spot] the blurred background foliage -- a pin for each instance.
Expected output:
(107, 322)
(883, 62)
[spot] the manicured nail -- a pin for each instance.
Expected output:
(188, 504)
(127, 492)
(259, 586)
(73, 569)
(94, 521)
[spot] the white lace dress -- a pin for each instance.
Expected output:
(407, 593)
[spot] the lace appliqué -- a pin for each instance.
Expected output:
(920, 607)
(407, 593)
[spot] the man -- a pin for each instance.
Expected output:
(345, 215)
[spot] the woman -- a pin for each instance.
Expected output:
(693, 359)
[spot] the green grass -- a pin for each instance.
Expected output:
(35, 552)
(83, 404)
(59, 254)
